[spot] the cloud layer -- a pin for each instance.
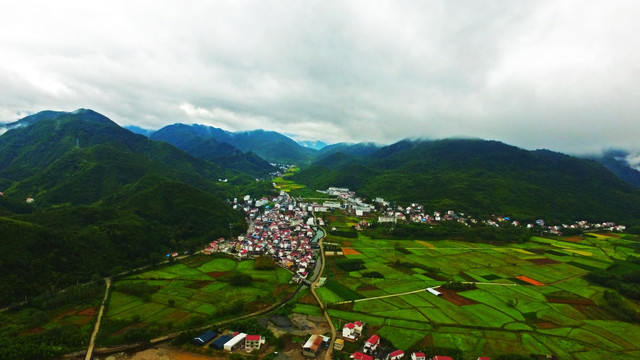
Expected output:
(537, 74)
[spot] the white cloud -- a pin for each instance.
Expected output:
(560, 75)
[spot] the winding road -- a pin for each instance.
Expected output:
(314, 285)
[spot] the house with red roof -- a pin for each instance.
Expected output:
(360, 356)
(372, 343)
(253, 342)
(440, 357)
(395, 355)
(418, 356)
(348, 331)
(359, 325)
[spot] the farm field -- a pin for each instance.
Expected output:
(529, 297)
(52, 324)
(193, 291)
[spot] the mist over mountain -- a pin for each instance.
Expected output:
(313, 144)
(624, 164)
(138, 130)
(359, 149)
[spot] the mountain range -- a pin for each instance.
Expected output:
(481, 178)
(82, 196)
(269, 145)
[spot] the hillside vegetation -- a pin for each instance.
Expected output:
(482, 178)
(104, 200)
(269, 145)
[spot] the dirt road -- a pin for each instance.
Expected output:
(92, 342)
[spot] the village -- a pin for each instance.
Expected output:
(289, 230)
(285, 230)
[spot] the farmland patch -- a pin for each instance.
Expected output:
(454, 298)
(529, 280)
(544, 261)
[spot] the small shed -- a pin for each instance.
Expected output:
(434, 291)
(219, 343)
(312, 346)
(204, 338)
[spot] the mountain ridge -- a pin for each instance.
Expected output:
(483, 177)
(269, 145)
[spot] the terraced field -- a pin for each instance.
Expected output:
(529, 298)
(198, 287)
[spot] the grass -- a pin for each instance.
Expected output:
(327, 296)
(400, 338)
(307, 309)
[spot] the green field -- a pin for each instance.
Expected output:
(197, 290)
(503, 314)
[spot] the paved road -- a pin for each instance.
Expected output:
(329, 353)
(96, 328)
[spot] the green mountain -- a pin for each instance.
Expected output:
(105, 200)
(481, 178)
(79, 157)
(269, 145)
(198, 141)
(359, 149)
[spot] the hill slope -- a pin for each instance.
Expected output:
(483, 178)
(105, 200)
(615, 161)
(200, 141)
(269, 145)
(360, 149)
(85, 154)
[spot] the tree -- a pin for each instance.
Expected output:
(240, 279)
(264, 263)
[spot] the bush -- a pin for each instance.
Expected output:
(458, 286)
(264, 263)
(139, 289)
(240, 279)
(373, 274)
(351, 264)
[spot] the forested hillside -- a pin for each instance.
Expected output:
(269, 145)
(482, 178)
(101, 200)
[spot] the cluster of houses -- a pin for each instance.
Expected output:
(371, 348)
(229, 342)
(281, 228)
(415, 212)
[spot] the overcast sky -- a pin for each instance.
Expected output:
(563, 75)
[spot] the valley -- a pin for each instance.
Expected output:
(460, 248)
